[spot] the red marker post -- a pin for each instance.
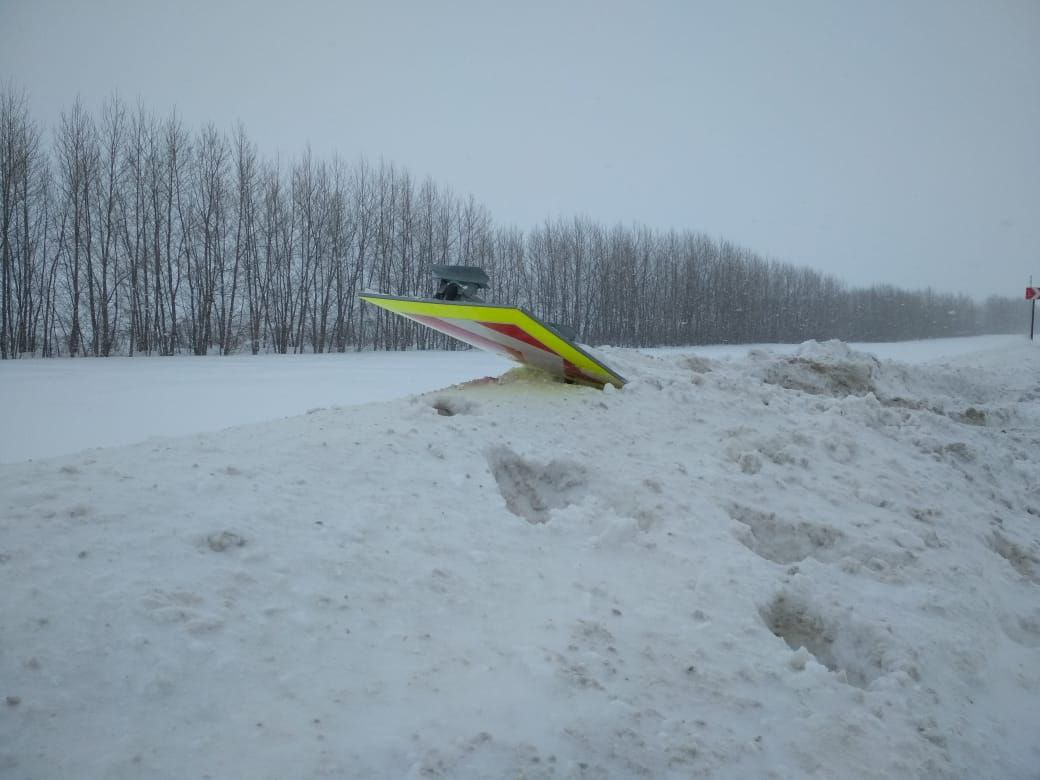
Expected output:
(1032, 294)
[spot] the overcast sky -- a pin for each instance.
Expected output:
(888, 141)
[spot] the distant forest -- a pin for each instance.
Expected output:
(132, 234)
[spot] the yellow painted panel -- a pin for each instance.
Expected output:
(510, 315)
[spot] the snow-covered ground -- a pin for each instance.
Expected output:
(777, 562)
(59, 407)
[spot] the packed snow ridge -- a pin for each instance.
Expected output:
(804, 564)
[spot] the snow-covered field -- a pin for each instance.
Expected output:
(778, 562)
(57, 407)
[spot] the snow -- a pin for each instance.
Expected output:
(801, 561)
(61, 406)
(65, 405)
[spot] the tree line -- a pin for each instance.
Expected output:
(132, 234)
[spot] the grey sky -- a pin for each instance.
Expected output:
(880, 140)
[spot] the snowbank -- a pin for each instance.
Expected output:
(808, 563)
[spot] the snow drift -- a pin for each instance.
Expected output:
(785, 565)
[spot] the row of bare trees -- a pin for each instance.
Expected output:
(131, 234)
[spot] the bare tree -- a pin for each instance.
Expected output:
(23, 208)
(77, 171)
(202, 216)
(104, 264)
(246, 249)
(134, 229)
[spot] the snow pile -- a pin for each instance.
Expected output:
(813, 563)
(824, 369)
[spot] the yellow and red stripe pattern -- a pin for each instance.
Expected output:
(507, 330)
